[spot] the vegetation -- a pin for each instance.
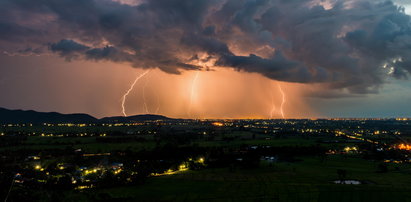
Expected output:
(183, 160)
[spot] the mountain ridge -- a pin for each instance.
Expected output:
(9, 116)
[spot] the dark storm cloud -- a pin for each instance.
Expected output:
(343, 44)
(68, 48)
(275, 67)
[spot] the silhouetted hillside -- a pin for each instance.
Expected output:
(136, 118)
(30, 116)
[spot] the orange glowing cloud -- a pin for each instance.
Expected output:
(222, 93)
(99, 88)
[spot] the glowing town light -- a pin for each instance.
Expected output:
(404, 147)
(118, 171)
(219, 124)
(182, 167)
(130, 89)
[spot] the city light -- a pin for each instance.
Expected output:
(404, 147)
(219, 124)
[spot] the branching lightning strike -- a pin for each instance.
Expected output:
(157, 96)
(274, 108)
(158, 104)
(192, 93)
(130, 89)
(153, 74)
(282, 101)
(144, 96)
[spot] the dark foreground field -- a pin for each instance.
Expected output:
(307, 180)
(200, 162)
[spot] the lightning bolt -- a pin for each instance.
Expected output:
(124, 98)
(283, 101)
(192, 93)
(158, 103)
(144, 96)
(273, 109)
(157, 96)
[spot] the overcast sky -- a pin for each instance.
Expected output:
(207, 58)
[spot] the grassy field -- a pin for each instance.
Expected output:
(307, 180)
(87, 144)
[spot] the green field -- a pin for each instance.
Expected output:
(307, 180)
(301, 177)
(89, 144)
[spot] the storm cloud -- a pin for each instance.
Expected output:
(353, 45)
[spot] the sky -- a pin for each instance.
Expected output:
(207, 58)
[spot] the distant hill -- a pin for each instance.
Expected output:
(136, 118)
(30, 116)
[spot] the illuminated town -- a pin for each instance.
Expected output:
(96, 156)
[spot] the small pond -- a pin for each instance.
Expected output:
(355, 182)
